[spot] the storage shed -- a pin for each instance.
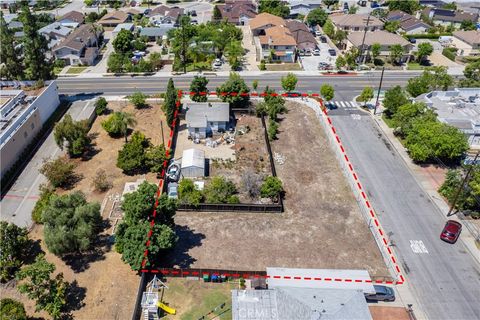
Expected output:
(193, 163)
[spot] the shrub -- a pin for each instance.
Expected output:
(138, 99)
(12, 310)
(262, 66)
(132, 156)
(272, 129)
(13, 248)
(59, 172)
(46, 192)
(101, 106)
(101, 182)
(251, 183)
(220, 190)
(73, 133)
(188, 194)
(271, 188)
(116, 125)
(450, 53)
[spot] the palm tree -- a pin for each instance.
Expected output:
(234, 51)
(127, 120)
(118, 123)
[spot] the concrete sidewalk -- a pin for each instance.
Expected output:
(466, 237)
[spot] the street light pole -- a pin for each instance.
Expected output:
(378, 93)
(462, 185)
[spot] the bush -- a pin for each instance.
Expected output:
(59, 63)
(131, 158)
(101, 106)
(272, 129)
(138, 99)
(46, 193)
(13, 248)
(12, 310)
(220, 190)
(116, 125)
(72, 133)
(262, 66)
(450, 53)
(101, 182)
(427, 36)
(251, 183)
(59, 172)
(188, 194)
(271, 188)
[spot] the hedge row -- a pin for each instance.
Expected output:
(427, 36)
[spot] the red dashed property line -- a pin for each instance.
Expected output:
(367, 203)
(162, 177)
(400, 279)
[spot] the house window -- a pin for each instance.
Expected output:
(72, 52)
(197, 130)
(357, 28)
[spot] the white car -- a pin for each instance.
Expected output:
(316, 52)
(172, 190)
(318, 33)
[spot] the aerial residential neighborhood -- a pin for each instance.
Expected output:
(240, 159)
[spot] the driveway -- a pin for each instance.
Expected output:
(250, 59)
(310, 63)
(101, 66)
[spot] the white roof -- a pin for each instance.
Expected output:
(193, 158)
(316, 278)
(122, 26)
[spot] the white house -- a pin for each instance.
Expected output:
(193, 163)
(206, 118)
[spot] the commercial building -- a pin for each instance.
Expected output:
(22, 115)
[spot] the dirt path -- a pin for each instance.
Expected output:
(321, 228)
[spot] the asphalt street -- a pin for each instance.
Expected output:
(444, 277)
(152, 85)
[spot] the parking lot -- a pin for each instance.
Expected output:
(310, 63)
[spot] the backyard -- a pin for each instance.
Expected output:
(321, 227)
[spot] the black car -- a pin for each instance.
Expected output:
(382, 293)
(345, 6)
(323, 39)
(332, 52)
(193, 13)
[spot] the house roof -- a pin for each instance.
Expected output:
(15, 24)
(173, 12)
(232, 11)
(299, 303)
(471, 37)
(55, 28)
(303, 37)
(407, 21)
(90, 52)
(450, 15)
(355, 20)
(378, 36)
(75, 16)
(114, 16)
(278, 36)
(124, 26)
(264, 19)
(77, 39)
(198, 113)
(156, 31)
(193, 158)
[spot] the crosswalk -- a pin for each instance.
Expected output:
(342, 104)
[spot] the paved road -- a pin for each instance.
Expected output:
(444, 278)
(151, 85)
(18, 203)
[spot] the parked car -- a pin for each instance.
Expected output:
(316, 52)
(194, 21)
(193, 13)
(382, 293)
(172, 190)
(412, 40)
(332, 52)
(345, 6)
(451, 231)
(323, 39)
(318, 33)
(374, 4)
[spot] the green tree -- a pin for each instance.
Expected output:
(394, 98)
(234, 52)
(274, 104)
(117, 124)
(468, 25)
(49, 294)
(101, 106)
(408, 113)
(199, 87)
(317, 16)
(156, 61)
(89, 3)
(271, 188)
(14, 247)
(35, 47)
(327, 92)
(188, 194)
(220, 190)
(170, 104)
(392, 26)
(217, 15)
(123, 42)
(396, 53)
(46, 192)
(408, 6)
(138, 99)
(272, 129)
(73, 134)
(71, 223)
(427, 140)
(467, 198)
(353, 9)
(328, 28)
(417, 86)
(131, 158)
(375, 49)
(115, 62)
(12, 310)
(100, 181)
(59, 171)
(275, 7)
(234, 91)
(154, 158)
(255, 85)
(12, 67)
(289, 82)
(340, 62)
(330, 3)
(472, 71)
(424, 50)
(366, 95)
(138, 205)
(436, 78)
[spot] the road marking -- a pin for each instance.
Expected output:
(342, 104)
(356, 116)
(418, 246)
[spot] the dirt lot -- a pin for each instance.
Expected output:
(107, 286)
(321, 228)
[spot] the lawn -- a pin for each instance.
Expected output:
(57, 70)
(76, 70)
(415, 66)
(193, 299)
(283, 67)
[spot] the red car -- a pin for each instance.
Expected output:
(451, 231)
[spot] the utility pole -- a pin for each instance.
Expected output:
(184, 47)
(378, 93)
(364, 35)
(163, 138)
(462, 185)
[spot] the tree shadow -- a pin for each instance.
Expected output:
(34, 249)
(74, 299)
(179, 257)
(80, 262)
(72, 181)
